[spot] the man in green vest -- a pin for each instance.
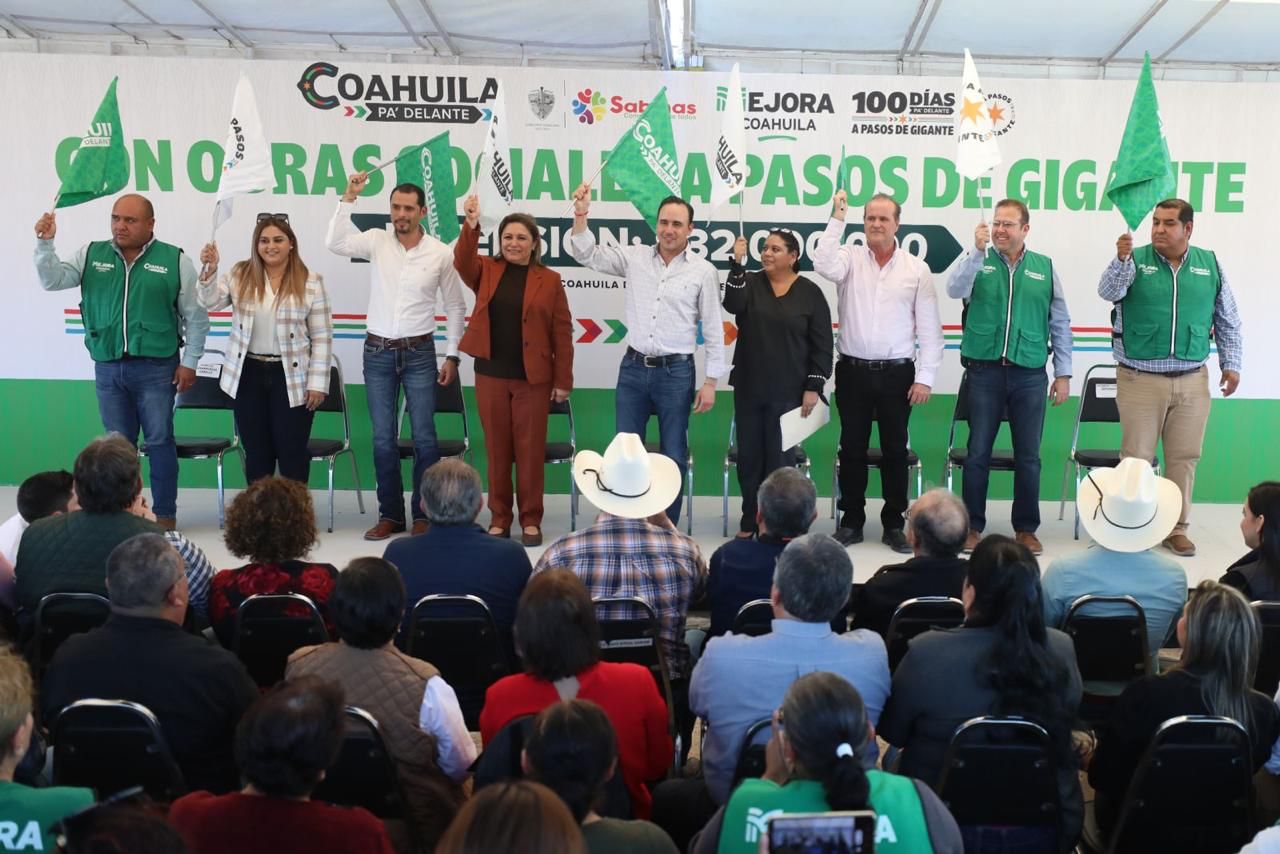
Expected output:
(1170, 298)
(138, 304)
(1015, 314)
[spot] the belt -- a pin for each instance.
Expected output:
(264, 357)
(397, 343)
(1002, 362)
(873, 364)
(1169, 374)
(656, 361)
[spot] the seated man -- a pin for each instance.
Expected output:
(48, 493)
(742, 569)
(416, 709)
(936, 528)
(197, 691)
(456, 555)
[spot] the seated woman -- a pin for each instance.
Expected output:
(1219, 635)
(558, 639)
(812, 764)
(284, 744)
(1257, 574)
(1002, 661)
(514, 817)
(273, 524)
(572, 750)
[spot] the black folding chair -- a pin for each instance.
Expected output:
(629, 633)
(917, 616)
(751, 754)
(330, 449)
(754, 618)
(1001, 458)
(110, 745)
(458, 635)
(269, 628)
(58, 617)
(1267, 677)
(562, 453)
(1110, 647)
(800, 457)
(449, 401)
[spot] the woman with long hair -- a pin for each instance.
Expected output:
(1257, 574)
(513, 817)
(277, 361)
(1001, 661)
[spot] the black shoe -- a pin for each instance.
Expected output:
(848, 536)
(896, 540)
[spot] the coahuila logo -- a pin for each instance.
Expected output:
(774, 111)
(155, 268)
(433, 209)
(399, 97)
(663, 163)
(591, 106)
(99, 135)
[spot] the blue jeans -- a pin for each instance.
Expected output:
(666, 390)
(139, 392)
(1024, 391)
(385, 372)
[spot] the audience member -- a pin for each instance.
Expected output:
(1220, 637)
(937, 525)
(1257, 574)
(558, 639)
(284, 744)
(515, 817)
(455, 555)
(1128, 511)
(197, 691)
(29, 813)
(1002, 661)
(273, 524)
(120, 828)
(572, 750)
(49, 493)
(416, 709)
(742, 569)
(812, 765)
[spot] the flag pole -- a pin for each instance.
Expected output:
(589, 182)
(56, 198)
(742, 201)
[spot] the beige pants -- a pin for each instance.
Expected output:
(1169, 409)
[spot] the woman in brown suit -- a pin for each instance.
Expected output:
(521, 335)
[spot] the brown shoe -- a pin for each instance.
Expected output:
(534, 539)
(501, 533)
(167, 522)
(384, 529)
(420, 526)
(1028, 539)
(971, 542)
(1180, 545)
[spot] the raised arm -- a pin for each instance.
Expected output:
(582, 243)
(466, 258)
(1120, 273)
(960, 282)
(54, 273)
(831, 259)
(343, 238)
(213, 291)
(735, 286)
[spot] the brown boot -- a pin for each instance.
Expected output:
(1180, 545)
(384, 529)
(420, 526)
(167, 522)
(1028, 539)
(971, 542)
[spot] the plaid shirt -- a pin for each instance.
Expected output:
(630, 557)
(199, 571)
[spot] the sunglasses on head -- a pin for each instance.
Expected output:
(281, 216)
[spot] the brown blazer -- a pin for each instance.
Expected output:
(548, 326)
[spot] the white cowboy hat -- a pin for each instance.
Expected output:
(627, 481)
(1128, 508)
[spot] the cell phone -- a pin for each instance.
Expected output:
(823, 833)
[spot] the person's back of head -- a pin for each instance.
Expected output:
(938, 524)
(813, 578)
(290, 736)
(16, 698)
(451, 493)
(147, 578)
(272, 521)
(367, 603)
(1221, 638)
(513, 817)
(788, 503)
(556, 631)
(45, 494)
(572, 749)
(824, 726)
(1263, 504)
(121, 829)
(107, 475)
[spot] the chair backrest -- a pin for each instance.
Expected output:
(58, 617)
(1111, 647)
(1192, 791)
(269, 627)
(919, 615)
(365, 773)
(961, 412)
(629, 634)
(1000, 771)
(1097, 400)
(564, 408)
(205, 393)
(751, 753)
(1267, 677)
(110, 745)
(458, 635)
(754, 618)
(336, 399)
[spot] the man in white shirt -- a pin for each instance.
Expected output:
(669, 291)
(412, 278)
(885, 301)
(48, 493)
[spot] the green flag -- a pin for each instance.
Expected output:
(430, 166)
(842, 176)
(99, 166)
(1144, 173)
(644, 162)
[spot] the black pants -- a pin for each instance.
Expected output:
(759, 449)
(682, 807)
(271, 430)
(864, 395)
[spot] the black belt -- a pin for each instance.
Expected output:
(1002, 362)
(397, 343)
(656, 361)
(874, 364)
(1169, 374)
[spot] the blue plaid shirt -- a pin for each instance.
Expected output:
(199, 571)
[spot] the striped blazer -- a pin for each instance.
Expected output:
(305, 331)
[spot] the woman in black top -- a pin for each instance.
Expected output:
(782, 360)
(1257, 574)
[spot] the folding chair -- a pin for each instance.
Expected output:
(330, 449)
(458, 635)
(58, 617)
(1267, 677)
(875, 459)
(1001, 458)
(1111, 647)
(269, 628)
(802, 462)
(754, 618)
(110, 745)
(449, 401)
(562, 453)
(917, 616)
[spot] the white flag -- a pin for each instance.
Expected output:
(493, 172)
(246, 165)
(976, 146)
(729, 176)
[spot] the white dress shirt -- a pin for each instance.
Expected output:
(441, 718)
(406, 285)
(664, 302)
(264, 340)
(882, 310)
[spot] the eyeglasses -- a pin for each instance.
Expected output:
(283, 216)
(1005, 223)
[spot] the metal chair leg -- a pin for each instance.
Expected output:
(355, 473)
(573, 503)
(835, 483)
(1062, 502)
(724, 513)
(222, 502)
(330, 461)
(688, 519)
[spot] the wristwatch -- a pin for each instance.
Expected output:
(455, 359)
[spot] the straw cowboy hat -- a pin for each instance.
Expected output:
(1128, 508)
(627, 481)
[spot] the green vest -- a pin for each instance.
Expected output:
(1168, 314)
(131, 309)
(28, 814)
(900, 822)
(1008, 314)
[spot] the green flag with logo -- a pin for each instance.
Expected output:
(99, 166)
(644, 162)
(1144, 173)
(430, 166)
(842, 174)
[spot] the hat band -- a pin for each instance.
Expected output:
(1108, 519)
(600, 483)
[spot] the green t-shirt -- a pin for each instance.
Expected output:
(26, 814)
